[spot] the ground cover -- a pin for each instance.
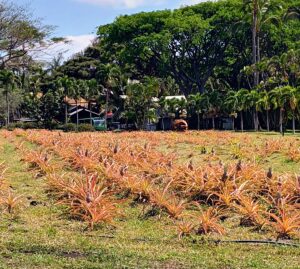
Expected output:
(150, 200)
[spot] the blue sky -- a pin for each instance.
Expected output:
(78, 19)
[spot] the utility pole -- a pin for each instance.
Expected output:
(106, 107)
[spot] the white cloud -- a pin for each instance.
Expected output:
(77, 43)
(74, 45)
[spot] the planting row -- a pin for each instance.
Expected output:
(103, 171)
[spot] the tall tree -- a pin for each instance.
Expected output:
(21, 36)
(91, 93)
(237, 101)
(186, 44)
(262, 11)
(80, 89)
(252, 99)
(140, 100)
(8, 83)
(264, 103)
(66, 87)
(280, 98)
(241, 99)
(294, 98)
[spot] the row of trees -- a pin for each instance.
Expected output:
(203, 52)
(282, 100)
(22, 39)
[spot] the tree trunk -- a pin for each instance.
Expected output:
(268, 121)
(8, 109)
(242, 121)
(66, 113)
(233, 127)
(294, 125)
(258, 57)
(77, 119)
(198, 121)
(254, 120)
(254, 39)
(90, 108)
(144, 124)
(281, 120)
(258, 46)
(106, 108)
(213, 122)
(163, 123)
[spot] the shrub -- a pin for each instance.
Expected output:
(69, 127)
(22, 125)
(85, 128)
(12, 126)
(53, 125)
(30, 125)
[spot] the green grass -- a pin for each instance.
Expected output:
(279, 162)
(42, 236)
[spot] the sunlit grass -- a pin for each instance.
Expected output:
(43, 236)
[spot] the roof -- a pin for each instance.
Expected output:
(26, 120)
(177, 97)
(80, 101)
(155, 99)
(82, 109)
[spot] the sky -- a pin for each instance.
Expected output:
(77, 20)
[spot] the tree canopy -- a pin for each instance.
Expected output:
(236, 58)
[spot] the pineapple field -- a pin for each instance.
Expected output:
(204, 199)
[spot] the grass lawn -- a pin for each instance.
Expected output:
(41, 235)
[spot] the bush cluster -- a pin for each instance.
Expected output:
(70, 127)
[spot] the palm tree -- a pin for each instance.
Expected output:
(279, 98)
(261, 13)
(55, 63)
(195, 102)
(152, 88)
(176, 106)
(66, 86)
(163, 109)
(214, 102)
(80, 87)
(92, 91)
(140, 99)
(171, 105)
(294, 97)
(292, 13)
(9, 83)
(117, 79)
(231, 104)
(252, 101)
(237, 101)
(180, 106)
(241, 97)
(292, 63)
(264, 103)
(284, 70)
